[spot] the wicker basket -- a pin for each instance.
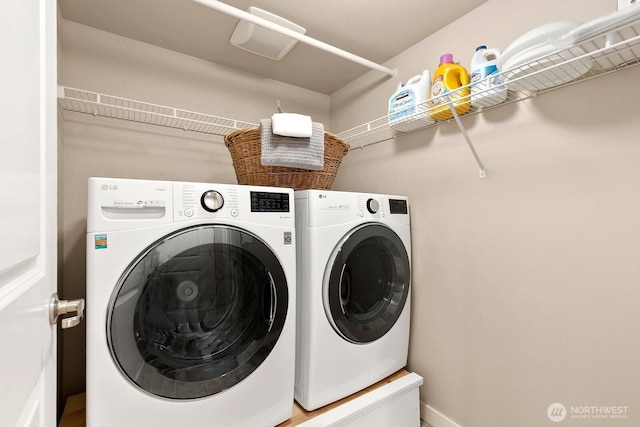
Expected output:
(244, 146)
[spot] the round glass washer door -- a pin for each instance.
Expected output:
(366, 283)
(197, 312)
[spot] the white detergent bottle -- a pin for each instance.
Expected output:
(486, 87)
(407, 106)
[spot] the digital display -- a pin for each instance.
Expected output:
(264, 201)
(398, 206)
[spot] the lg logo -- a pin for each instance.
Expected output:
(556, 412)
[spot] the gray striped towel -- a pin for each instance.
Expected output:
(287, 151)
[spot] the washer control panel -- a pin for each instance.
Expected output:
(242, 202)
(120, 204)
(196, 200)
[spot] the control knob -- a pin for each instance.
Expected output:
(373, 206)
(212, 201)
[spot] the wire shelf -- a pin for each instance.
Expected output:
(101, 105)
(567, 61)
(587, 55)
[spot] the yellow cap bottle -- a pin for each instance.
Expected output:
(450, 84)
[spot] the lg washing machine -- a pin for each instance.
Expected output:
(190, 304)
(354, 253)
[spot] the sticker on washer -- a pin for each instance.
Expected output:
(287, 238)
(100, 241)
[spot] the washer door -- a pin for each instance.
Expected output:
(197, 312)
(366, 283)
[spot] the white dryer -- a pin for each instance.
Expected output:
(190, 304)
(354, 253)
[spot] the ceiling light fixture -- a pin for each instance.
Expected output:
(241, 14)
(262, 41)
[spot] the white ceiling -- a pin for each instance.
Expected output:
(377, 30)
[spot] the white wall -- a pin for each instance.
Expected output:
(525, 284)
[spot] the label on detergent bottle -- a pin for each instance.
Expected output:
(438, 89)
(484, 72)
(402, 104)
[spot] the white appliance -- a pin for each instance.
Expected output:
(190, 304)
(354, 274)
(396, 403)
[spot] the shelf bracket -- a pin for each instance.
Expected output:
(482, 173)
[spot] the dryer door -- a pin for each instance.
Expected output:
(197, 312)
(366, 283)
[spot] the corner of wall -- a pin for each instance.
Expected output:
(430, 417)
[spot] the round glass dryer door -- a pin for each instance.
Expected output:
(366, 283)
(197, 312)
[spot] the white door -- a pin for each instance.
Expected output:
(28, 143)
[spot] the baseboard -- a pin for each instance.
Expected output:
(433, 418)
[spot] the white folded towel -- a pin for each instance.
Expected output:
(292, 124)
(301, 153)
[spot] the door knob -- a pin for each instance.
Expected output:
(58, 307)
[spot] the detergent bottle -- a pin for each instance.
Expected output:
(486, 88)
(450, 84)
(408, 105)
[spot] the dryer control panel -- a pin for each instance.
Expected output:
(337, 207)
